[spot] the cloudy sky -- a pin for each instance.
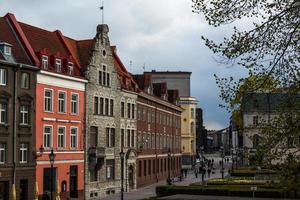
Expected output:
(162, 35)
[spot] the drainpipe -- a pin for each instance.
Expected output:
(156, 160)
(15, 125)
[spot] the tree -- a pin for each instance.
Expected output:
(270, 50)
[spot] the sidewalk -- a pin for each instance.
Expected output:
(149, 191)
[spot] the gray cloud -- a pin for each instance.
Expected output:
(163, 35)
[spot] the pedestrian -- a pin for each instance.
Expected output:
(196, 172)
(208, 172)
(204, 172)
(185, 173)
(220, 162)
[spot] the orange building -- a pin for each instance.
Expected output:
(59, 108)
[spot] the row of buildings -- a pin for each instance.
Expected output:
(76, 99)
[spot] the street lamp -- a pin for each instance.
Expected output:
(169, 162)
(52, 159)
(222, 162)
(122, 154)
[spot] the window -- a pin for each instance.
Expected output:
(122, 138)
(111, 107)
(48, 100)
(108, 79)
(25, 80)
(128, 110)
(23, 153)
(58, 65)
(132, 111)
(192, 128)
(61, 102)
(128, 138)
(93, 175)
(70, 68)
(132, 138)
(101, 106)
(7, 50)
(74, 103)
(3, 113)
(255, 120)
(96, 105)
(47, 136)
(122, 109)
(110, 169)
(106, 106)
(104, 75)
(73, 135)
(3, 76)
(192, 113)
(61, 140)
(140, 168)
(45, 62)
(149, 167)
(94, 136)
(2, 153)
(24, 112)
(145, 167)
(110, 137)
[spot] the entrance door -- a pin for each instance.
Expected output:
(73, 182)
(130, 177)
(24, 189)
(4, 192)
(47, 182)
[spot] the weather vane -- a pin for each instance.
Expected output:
(102, 9)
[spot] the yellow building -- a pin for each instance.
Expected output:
(188, 131)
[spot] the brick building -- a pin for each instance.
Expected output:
(158, 125)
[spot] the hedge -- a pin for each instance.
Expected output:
(243, 191)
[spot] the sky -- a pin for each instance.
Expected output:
(160, 35)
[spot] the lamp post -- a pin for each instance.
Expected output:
(122, 154)
(52, 159)
(222, 162)
(169, 162)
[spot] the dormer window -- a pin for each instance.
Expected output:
(70, 68)
(45, 62)
(58, 65)
(7, 50)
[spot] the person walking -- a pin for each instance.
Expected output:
(208, 172)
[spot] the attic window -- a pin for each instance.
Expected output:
(103, 52)
(58, 65)
(70, 68)
(45, 62)
(7, 50)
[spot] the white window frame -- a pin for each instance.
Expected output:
(24, 152)
(7, 50)
(58, 65)
(25, 83)
(77, 103)
(3, 121)
(51, 100)
(2, 149)
(51, 136)
(64, 101)
(3, 76)
(70, 68)
(71, 135)
(23, 114)
(45, 62)
(64, 137)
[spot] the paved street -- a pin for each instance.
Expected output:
(149, 191)
(198, 197)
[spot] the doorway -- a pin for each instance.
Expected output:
(130, 177)
(73, 181)
(24, 189)
(4, 191)
(47, 182)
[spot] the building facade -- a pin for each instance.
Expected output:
(17, 115)
(188, 131)
(110, 120)
(201, 132)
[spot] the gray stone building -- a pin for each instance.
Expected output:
(110, 120)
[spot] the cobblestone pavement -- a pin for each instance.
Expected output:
(199, 197)
(149, 191)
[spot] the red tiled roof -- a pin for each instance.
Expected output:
(7, 35)
(85, 49)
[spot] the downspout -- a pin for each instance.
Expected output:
(85, 156)
(15, 123)
(156, 159)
